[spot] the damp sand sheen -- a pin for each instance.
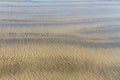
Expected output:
(59, 40)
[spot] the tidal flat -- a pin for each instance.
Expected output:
(59, 40)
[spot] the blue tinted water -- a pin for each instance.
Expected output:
(65, 12)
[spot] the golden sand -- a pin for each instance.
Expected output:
(56, 56)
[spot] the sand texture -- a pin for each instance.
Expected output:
(59, 40)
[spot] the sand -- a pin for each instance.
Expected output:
(59, 40)
(39, 55)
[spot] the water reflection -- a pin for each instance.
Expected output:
(62, 13)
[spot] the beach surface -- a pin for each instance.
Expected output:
(59, 40)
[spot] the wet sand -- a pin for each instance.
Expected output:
(59, 40)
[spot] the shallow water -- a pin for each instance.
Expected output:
(31, 13)
(52, 10)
